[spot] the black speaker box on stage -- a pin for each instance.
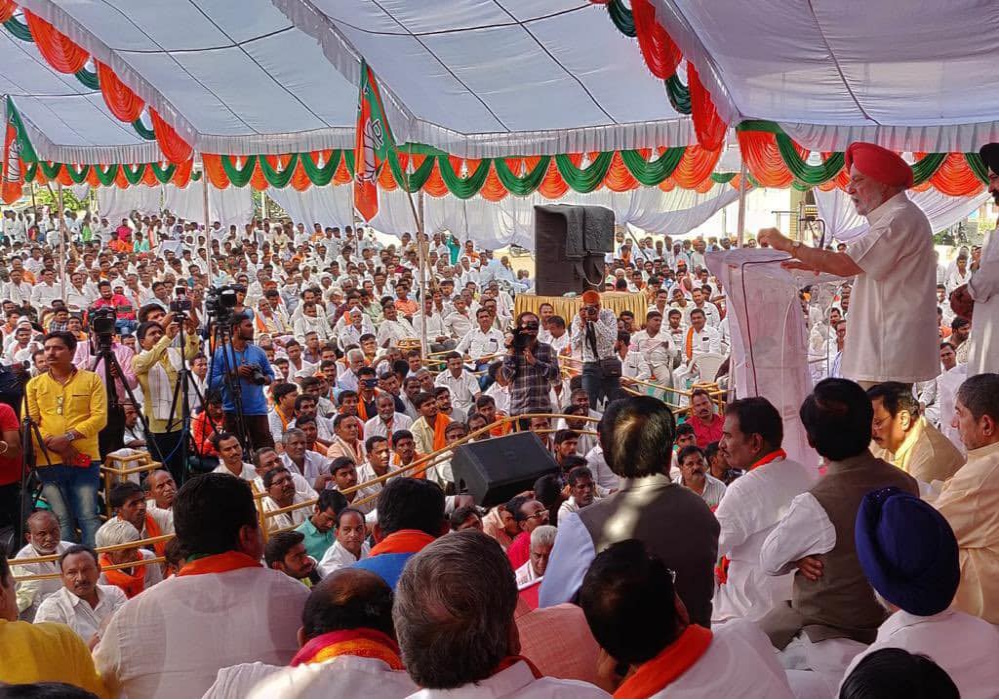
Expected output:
(570, 243)
(496, 470)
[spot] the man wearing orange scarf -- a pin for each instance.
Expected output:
(218, 529)
(410, 517)
(654, 650)
(348, 648)
(135, 576)
(428, 429)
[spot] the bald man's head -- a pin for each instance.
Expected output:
(348, 599)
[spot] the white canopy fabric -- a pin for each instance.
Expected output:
(231, 206)
(115, 204)
(511, 220)
(913, 75)
(482, 78)
(845, 224)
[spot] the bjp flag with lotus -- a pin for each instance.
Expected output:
(373, 143)
(17, 150)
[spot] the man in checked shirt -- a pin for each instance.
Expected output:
(529, 366)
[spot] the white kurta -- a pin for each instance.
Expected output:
(984, 354)
(892, 331)
(752, 506)
(739, 663)
(963, 645)
(171, 640)
(517, 681)
(337, 557)
(340, 677)
(64, 606)
(31, 593)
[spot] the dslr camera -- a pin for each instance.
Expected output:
(102, 325)
(220, 301)
(258, 378)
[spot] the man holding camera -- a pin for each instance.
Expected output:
(529, 367)
(157, 367)
(596, 331)
(249, 372)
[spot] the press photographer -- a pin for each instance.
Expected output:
(530, 367)
(157, 368)
(240, 371)
(90, 355)
(69, 407)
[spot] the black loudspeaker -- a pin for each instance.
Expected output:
(496, 470)
(570, 243)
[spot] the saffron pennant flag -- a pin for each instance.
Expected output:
(373, 144)
(16, 151)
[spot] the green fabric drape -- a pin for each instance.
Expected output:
(975, 163)
(77, 177)
(163, 175)
(622, 18)
(586, 179)
(678, 94)
(521, 186)
(18, 29)
(134, 177)
(463, 187)
(106, 177)
(144, 132)
(50, 170)
(279, 179)
(88, 78)
(318, 176)
(927, 166)
(411, 182)
(654, 172)
(809, 175)
(239, 177)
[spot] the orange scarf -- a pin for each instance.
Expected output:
(770, 457)
(440, 425)
(132, 584)
(153, 530)
(667, 666)
(689, 342)
(363, 642)
(402, 541)
(218, 564)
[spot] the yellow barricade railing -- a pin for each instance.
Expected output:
(100, 550)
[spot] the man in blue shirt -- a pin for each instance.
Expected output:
(242, 358)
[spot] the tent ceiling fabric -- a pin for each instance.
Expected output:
(833, 71)
(489, 78)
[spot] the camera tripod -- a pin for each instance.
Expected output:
(181, 392)
(222, 340)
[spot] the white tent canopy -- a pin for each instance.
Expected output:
(482, 78)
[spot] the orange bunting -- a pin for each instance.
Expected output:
(61, 53)
(708, 125)
(658, 50)
(212, 165)
(696, 166)
(618, 178)
(435, 186)
(176, 149)
(552, 185)
(120, 99)
(760, 152)
(955, 177)
(493, 190)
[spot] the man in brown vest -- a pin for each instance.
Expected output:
(637, 436)
(833, 614)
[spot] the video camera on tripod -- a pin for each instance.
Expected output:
(220, 302)
(102, 326)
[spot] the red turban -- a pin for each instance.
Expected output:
(591, 297)
(879, 163)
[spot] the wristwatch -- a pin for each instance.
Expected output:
(68, 435)
(795, 248)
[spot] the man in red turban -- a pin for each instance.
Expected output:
(892, 325)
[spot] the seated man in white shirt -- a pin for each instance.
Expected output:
(128, 502)
(634, 613)
(460, 382)
(181, 654)
(136, 575)
(44, 540)
(462, 583)
(347, 605)
(81, 603)
(582, 491)
(701, 338)
(909, 554)
(281, 493)
(542, 539)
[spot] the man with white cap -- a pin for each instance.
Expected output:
(892, 331)
(910, 556)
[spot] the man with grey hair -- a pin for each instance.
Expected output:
(454, 619)
(132, 579)
(542, 539)
(348, 379)
(299, 459)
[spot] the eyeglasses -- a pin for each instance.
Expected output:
(539, 514)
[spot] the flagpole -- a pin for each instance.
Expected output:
(62, 243)
(418, 223)
(208, 230)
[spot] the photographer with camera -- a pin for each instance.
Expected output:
(530, 367)
(596, 330)
(157, 367)
(248, 373)
(88, 356)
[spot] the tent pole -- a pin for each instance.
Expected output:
(62, 243)
(34, 207)
(742, 215)
(208, 230)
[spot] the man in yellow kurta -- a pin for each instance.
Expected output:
(906, 439)
(970, 500)
(157, 367)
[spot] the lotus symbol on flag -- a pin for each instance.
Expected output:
(372, 143)
(13, 170)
